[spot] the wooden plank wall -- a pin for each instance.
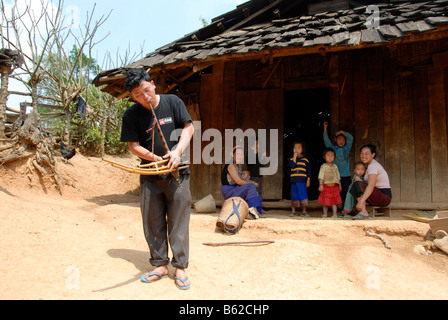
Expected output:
(380, 96)
(402, 109)
(224, 105)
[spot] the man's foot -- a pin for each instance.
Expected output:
(181, 280)
(156, 274)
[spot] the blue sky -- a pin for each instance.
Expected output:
(133, 25)
(151, 24)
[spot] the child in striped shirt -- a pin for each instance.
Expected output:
(300, 179)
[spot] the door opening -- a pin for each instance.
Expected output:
(305, 113)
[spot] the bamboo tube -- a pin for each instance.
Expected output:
(152, 164)
(217, 244)
(147, 170)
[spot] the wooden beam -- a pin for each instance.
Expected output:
(12, 110)
(440, 33)
(185, 77)
(42, 105)
(271, 73)
(253, 16)
(440, 60)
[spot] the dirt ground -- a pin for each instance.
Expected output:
(88, 244)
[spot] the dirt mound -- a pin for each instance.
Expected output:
(88, 243)
(82, 177)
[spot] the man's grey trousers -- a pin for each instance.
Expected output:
(165, 211)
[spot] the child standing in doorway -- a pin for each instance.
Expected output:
(344, 142)
(300, 179)
(329, 183)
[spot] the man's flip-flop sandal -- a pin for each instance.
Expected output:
(360, 217)
(183, 281)
(158, 275)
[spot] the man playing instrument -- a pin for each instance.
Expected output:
(165, 205)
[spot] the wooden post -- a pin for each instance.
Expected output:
(334, 93)
(438, 134)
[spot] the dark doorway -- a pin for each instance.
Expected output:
(305, 113)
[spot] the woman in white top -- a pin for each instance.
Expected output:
(375, 189)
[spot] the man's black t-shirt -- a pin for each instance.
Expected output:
(138, 124)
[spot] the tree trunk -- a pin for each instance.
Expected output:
(34, 95)
(3, 100)
(103, 135)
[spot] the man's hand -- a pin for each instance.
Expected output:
(174, 157)
(156, 158)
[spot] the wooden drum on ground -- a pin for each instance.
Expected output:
(234, 211)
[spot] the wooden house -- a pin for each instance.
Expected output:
(380, 73)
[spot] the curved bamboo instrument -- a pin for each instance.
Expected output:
(175, 173)
(150, 169)
(257, 242)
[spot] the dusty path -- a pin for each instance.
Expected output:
(89, 244)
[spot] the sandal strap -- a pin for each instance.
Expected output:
(181, 280)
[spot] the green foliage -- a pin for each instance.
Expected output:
(99, 129)
(104, 115)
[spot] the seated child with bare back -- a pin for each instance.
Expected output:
(349, 204)
(245, 175)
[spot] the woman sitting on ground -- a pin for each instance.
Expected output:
(375, 189)
(234, 186)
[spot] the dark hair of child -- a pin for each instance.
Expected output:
(303, 146)
(326, 150)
